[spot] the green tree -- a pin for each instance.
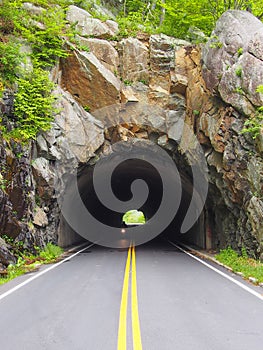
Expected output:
(181, 15)
(175, 17)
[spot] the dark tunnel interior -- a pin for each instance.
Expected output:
(122, 178)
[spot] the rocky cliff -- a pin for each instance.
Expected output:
(211, 88)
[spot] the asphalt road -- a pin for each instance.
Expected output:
(86, 303)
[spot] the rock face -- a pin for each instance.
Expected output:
(17, 199)
(76, 134)
(168, 83)
(73, 139)
(233, 68)
(162, 52)
(82, 74)
(233, 60)
(104, 51)
(134, 60)
(89, 26)
(15, 189)
(6, 257)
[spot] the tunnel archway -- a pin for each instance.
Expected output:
(122, 178)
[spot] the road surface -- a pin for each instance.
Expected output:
(153, 297)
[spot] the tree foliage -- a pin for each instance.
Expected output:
(44, 32)
(175, 17)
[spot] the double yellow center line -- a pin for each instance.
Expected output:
(122, 336)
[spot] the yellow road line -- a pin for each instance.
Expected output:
(122, 335)
(137, 343)
(124, 303)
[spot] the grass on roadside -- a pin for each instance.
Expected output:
(28, 262)
(241, 263)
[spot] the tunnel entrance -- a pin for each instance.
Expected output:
(121, 182)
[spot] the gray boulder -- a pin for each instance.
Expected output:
(89, 26)
(233, 60)
(5, 255)
(75, 135)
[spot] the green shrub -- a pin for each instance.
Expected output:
(29, 262)
(215, 42)
(239, 72)
(127, 82)
(33, 105)
(86, 108)
(84, 48)
(7, 15)
(239, 90)
(51, 252)
(130, 25)
(240, 51)
(260, 89)
(47, 43)
(254, 124)
(241, 263)
(10, 59)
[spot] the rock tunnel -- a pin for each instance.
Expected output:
(179, 84)
(186, 83)
(121, 183)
